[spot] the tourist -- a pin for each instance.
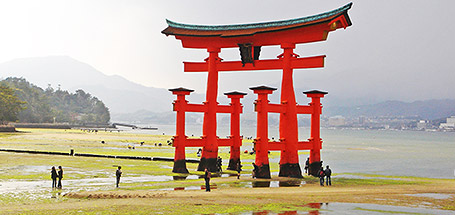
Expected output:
(328, 173)
(118, 174)
(219, 163)
(60, 177)
(239, 169)
(207, 177)
(255, 169)
(307, 165)
(54, 177)
(321, 175)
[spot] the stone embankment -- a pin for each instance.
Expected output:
(72, 153)
(7, 129)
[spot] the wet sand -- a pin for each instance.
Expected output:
(237, 200)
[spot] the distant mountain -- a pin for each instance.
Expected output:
(119, 94)
(129, 101)
(428, 109)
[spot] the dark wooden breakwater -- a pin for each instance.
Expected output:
(72, 153)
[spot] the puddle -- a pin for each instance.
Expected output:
(354, 209)
(257, 184)
(249, 184)
(432, 195)
(187, 177)
(202, 187)
(16, 186)
(28, 169)
(20, 186)
(357, 208)
(166, 167)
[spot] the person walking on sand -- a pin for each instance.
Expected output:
(54, 177)
(219, 163)
(60, 176)
(307, 165)
(207, 177)
(328, 173)
(118, 174)
(255, 169)
(321, 175)
(239, 169)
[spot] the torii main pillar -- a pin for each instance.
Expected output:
(289, 161)
(210, 150)
(249, 38)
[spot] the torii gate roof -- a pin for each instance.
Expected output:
(245, 30)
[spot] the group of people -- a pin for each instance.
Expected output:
(322, 173)
(57, 174)
(327, 173)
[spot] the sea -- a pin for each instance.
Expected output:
(347, 151)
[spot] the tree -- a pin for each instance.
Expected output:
(43, 106)
(37, 108)
(10, 105)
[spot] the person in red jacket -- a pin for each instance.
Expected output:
(321, 175)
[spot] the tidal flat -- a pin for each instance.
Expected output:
(149, 187)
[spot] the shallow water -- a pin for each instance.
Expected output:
(355, 209)
(433, 195)
(71, 185)
(384, 152)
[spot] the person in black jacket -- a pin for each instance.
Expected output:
(219, 163)
(307, 165)
(207, 177)
(328, 174)
(118, 174)
(60, 176)
(239, 169)
(54, 177)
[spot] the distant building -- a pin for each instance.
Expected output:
(451, 120)
(337, 121)
(449, 125)
(422, 125)
(362, 120)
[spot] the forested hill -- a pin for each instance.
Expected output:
(55, 105)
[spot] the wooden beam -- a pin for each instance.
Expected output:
(224, 109)
(195, 108)
(276, 108)
(190, 142)
(225, 142)
(304, 145)
(304, 109)
(270, 64)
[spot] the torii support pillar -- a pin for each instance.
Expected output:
(315, 139)
(234, 160)
(179, 138)
(261, 143)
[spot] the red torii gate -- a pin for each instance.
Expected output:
(250, 38)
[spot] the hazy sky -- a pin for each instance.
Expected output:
(395, 49)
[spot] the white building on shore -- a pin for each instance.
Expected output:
(449, 125)
(337, 121)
